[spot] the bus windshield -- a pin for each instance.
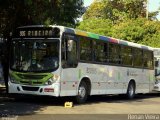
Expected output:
(34, 55)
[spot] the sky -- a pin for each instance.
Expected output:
(153, 5)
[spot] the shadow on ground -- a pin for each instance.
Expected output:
(121, 98)
(26, 105)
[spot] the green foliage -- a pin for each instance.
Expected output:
(26, 12)
(138, 30)
(122, 19)
(99, 26)
(96, 10)
(130, 30)
(118, 10)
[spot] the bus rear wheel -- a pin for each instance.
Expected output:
(130, 90)
(82, 93)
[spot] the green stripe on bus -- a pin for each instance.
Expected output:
(151, 78)
(79, 73)
(93, 35)
(23, 77)
(119, 76)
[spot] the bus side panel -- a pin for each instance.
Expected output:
(71, 78)
(105, 79)
(151, 80)
(98, 77)
(69, 82)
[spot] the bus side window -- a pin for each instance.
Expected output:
(72, 53)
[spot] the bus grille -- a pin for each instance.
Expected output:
(28, 82)
(26, 88)
(23, 76)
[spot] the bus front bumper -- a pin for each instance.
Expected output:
(49, 90)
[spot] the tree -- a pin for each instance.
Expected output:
(14, 13)
(118, 10)
(99, 26)
(26, 12)
(153, 15)
(138, 30)
(122, 19)
(96, 10)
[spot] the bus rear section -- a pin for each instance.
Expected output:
(157, 75)
(157, 69)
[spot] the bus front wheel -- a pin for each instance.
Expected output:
(131, 90)
(82, 93)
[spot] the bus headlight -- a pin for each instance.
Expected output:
(52, 80)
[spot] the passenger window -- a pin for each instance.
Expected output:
(126, 55)
(114, 53)
(100, 51)
(85, 49)
(137, 61)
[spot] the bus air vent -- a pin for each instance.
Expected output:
(23, 76)
(26, 88)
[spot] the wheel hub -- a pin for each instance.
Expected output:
(131, 91)
(82, 92)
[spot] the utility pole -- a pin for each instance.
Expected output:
(147, 7)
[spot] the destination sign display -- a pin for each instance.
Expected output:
(38, 32)
(35, 33)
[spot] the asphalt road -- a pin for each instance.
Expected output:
(96, 108)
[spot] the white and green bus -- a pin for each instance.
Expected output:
(60, 61)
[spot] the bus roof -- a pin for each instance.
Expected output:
(93, 35)
(105, 38)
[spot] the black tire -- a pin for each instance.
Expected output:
(82, 93)
(131, 90)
